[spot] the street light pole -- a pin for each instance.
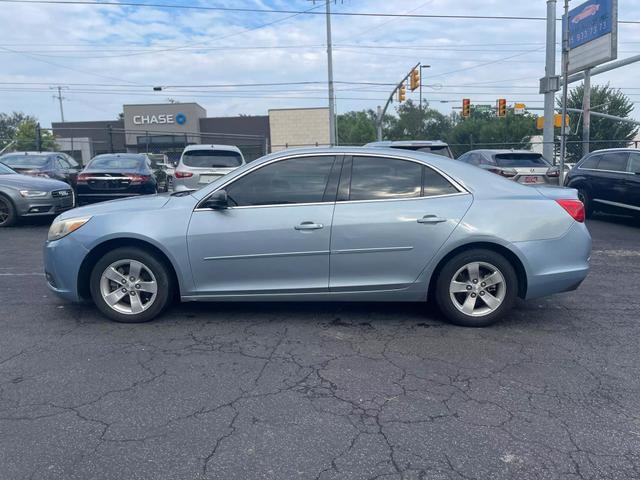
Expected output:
(421, 109)
(550, 84)
(332, 100)
(565, 88)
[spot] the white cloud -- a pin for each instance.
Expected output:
(61, 41)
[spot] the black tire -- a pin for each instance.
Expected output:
(8, 216)
(446, 276)
(152, 264)
(585, 198)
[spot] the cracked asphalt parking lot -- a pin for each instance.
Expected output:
(327, 391)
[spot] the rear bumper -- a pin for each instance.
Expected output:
(557, 265)
(87, 195)
(62, 261)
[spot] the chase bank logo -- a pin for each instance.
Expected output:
(181, 119)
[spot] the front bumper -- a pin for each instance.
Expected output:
(557, 265)
(34, 207)
(62, 261)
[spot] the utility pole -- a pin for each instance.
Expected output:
(586, 112)
(421, 108)
(332, 100)
(565, 88)
(60, 98)
(550, 83)
(38, 137)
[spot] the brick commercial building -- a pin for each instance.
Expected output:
(167, 128)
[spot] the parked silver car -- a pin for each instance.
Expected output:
(202, 164)
(522, 166)
(319, 224)
(28, 196)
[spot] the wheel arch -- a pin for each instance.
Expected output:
(97, 252)
(512, 257)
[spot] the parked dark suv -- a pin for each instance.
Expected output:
(608, 180)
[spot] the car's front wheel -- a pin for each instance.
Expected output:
(476, 288)
(129, 285)
(8, 215)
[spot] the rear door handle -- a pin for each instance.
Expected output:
(309, 226)
(431, 219)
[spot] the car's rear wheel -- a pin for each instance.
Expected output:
(476, 288)
(129, 285)
(585, 198)
(8, 214)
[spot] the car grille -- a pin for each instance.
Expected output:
(62, 194)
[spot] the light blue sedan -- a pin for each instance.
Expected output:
(344, 223)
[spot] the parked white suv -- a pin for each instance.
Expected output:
(202, 164)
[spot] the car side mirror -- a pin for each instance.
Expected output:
(217, 201)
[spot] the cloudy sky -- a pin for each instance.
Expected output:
(107, 56)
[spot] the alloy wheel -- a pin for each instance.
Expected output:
(128, 286)
(4, 211)
(477, 289)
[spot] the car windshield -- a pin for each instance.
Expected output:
(4, 170)
(25, 161)
(511, 160)
(116, 163)
(211, 159)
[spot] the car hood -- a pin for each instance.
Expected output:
(137, 204)
(34, 183)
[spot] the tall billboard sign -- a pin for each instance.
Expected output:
(593, 34)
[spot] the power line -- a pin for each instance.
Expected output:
(281, 11)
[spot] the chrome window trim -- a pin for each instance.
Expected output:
(403, 199)
(461, 189)
(617, 204)
(606, 171)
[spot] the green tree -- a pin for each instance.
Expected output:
(604, 133)
(486, 130)
(26, 137)
(359, 127)
(415, 123)
(9, 123)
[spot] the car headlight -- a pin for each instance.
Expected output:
(33, 193)
(62, 228)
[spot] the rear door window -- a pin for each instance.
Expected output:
(377, 178)
(634, 163)
(211, 159)
(435, 184)
(614, 161)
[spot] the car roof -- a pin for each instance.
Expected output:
(625, 149)
(494, 151)
(407, 143)
(228, 148)
(30, 153)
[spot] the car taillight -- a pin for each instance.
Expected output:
(575, 208)
(180, 174)
(82, 178)
(138, 178)
(504, 172)
(553, 172)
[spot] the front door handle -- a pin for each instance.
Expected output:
(309, 226)
(431, 219)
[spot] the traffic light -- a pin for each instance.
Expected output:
(502, 107)
(415, 79)
(402, 93)
(466, 107)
